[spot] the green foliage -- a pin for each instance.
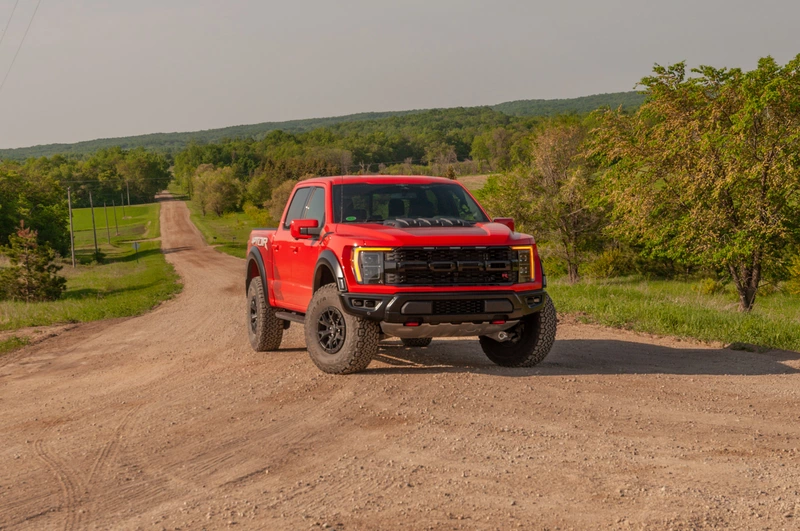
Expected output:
(168, 143)
(555, 195)
(33, 274)
(793, 285)
(706, 172)
(710, 286)
(280, 196)
(676, 308)
(610, 263)
(229, 233)
(123, 286)
(217, 190)
(31, 192)
(12, 343)
(629, 101)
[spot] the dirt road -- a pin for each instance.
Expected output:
(170, 421)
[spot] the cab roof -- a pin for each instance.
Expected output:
(378, 179)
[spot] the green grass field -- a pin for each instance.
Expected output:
(126, 283)
(678, 308)
(139, 222)
(228, 233)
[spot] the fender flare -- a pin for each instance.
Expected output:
(255, 256)
(327, 259)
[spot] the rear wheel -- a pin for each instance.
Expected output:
(263, 328)
(338, 343)
(530, 343)
(416, 341)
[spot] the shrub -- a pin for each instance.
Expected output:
(793, 285)
(710, 286)
(32, 275)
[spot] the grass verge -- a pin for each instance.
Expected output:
(125, 283)
(678, 308)
(228, 233)
(12, 343)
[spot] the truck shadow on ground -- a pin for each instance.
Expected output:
(586, 356)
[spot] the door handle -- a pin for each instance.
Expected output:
(276, 247)
(294, 248)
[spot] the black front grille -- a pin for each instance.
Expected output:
(457, 307)
(441, 266)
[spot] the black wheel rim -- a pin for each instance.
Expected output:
(331, 330)
(253, 315)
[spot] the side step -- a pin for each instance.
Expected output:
(291, 316)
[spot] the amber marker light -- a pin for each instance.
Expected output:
(522, 250)
(357, 260)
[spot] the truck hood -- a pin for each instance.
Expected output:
(479, 235)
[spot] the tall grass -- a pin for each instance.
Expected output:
(680, 308)
(126, 283)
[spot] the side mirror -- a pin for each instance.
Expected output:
(508, 222)
(303, 229)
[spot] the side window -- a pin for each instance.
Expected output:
(315, 209)
(296, 206)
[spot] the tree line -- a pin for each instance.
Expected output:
(704, 176)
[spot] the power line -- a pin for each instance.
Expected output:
(5, 31)
(3, 84)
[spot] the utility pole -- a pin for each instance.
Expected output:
(94, 227)
(122, 202)
(114, 208)
(128, 186)
(108, 230)
(71, 227)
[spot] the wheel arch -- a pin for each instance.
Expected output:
(328, 271)
(255, 268)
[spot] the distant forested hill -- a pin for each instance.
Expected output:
(629, 101)
(174, 142)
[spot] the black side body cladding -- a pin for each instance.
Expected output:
(328, 259)
(255, 256)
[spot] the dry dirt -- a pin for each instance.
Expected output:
(171, 421)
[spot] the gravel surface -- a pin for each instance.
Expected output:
(171, 421)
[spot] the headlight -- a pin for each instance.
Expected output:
(368, 264)
(525, 261)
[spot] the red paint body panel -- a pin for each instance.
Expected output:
(289, 263)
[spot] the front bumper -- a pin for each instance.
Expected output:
(447, 307)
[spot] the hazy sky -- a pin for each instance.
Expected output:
(95, 69)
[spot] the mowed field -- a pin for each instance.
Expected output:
(170, 421)
(125, 282)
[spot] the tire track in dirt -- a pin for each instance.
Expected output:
(110, 448)
(71, 487)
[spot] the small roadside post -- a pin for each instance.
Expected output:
(94, 228)
(108, 229)
(114, 208)
(71, 227)
(136, 250)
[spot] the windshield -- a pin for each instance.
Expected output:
(405, 204)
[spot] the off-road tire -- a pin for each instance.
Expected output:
(263, 328)
(536, 334)
(416, 341)
(354, 343)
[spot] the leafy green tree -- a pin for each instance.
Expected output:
(280, 195)
(555, 196)
(707, 171)
(217, 190)
(32, 275)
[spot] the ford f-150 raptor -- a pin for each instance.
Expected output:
(358, 258)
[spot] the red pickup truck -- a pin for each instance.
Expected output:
(359, 258)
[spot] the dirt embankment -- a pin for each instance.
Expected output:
(170, 421)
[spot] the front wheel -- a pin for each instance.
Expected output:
(530, 343)
(338, 343)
